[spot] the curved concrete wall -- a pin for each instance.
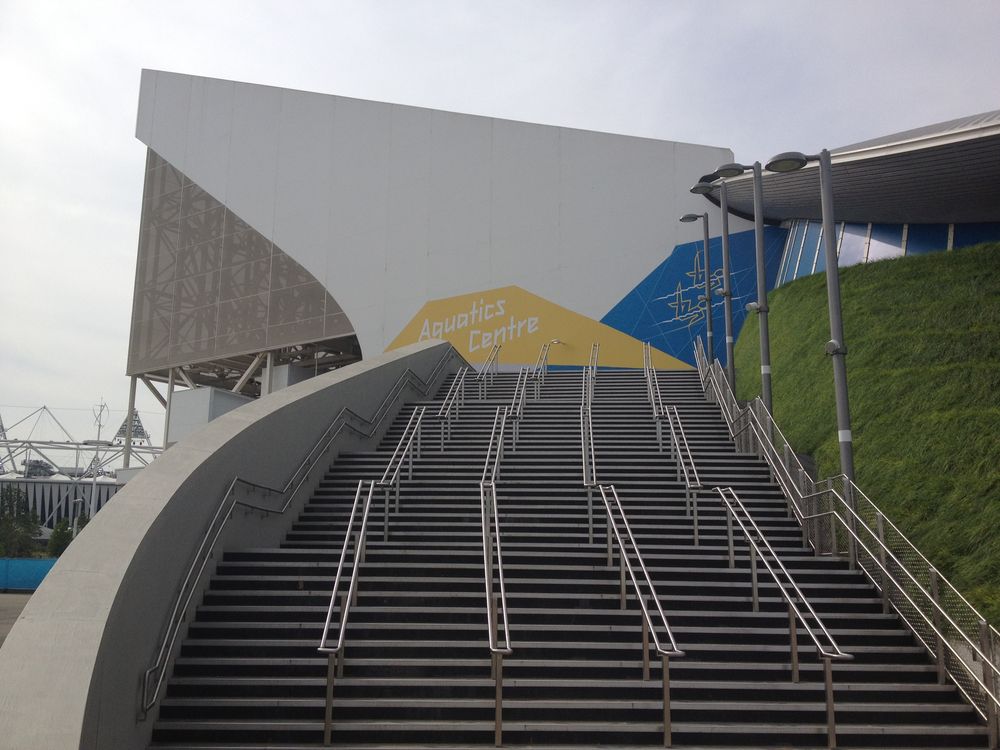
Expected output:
(71, 668)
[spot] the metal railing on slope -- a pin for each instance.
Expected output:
(653, 392)
(152, 680)
(587, 452)
(485, 375)
(826, 646)
(625, 553)
(516, 412)
(407, 449)
(336, 654)
(837, 518)
(490, 518)
(453, 401)
(680, 452)
(541, 368)
(595, 352)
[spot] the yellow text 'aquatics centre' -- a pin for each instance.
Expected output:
(521, 322)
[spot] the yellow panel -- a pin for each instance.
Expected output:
(521, 322)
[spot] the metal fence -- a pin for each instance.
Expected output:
(838, 519)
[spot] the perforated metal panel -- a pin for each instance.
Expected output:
(209, 286)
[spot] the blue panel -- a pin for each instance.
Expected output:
(886, 242)
(926, 238)
(852, 245)
(821, 250)
(808, 256)
(973, 234)
(23, 573)
(664, 308)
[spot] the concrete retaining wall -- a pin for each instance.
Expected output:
(103, 609)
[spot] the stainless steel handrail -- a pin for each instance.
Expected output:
(229, 501)
(453, 401)
(407, 448)
(680, 452)
(516, 412)
(653, 392)
(336, 654)
(991, 673)
(754, 430)
(490, 519)
(588, 453)
(595, 351)
(624, 562)
(790, 591)
(541, 368)
(488, 370)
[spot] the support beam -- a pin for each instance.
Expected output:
(185, 377)
(129, 419)
(268, 384)
(152, 389)
(245, 378)
(170, 395)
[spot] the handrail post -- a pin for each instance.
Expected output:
(729, 534)
(493, 612)
(610, 555)
(344, 605)
(831, 715)
(621, 576)
(938, 627)
(989, 680)
(793, 634)
(645, 644)
(331, 671)
(694, 505)
(590, 513)
(886, 579)
(852, 547)
(385, 515)
(498, 701)
(667, 733)
(832, 520)
(753, 577)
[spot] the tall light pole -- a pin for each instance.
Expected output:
(789, 162)
(708, 284)
(760, 306)
(702, 187)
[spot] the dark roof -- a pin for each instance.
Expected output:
(943, 173)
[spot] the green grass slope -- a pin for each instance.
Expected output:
(923, 364)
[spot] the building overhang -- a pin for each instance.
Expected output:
(947, 173)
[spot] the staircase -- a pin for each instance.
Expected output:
(417, 663)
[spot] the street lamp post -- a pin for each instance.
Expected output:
(760, 306)
(704, 186)
(789, 162)
(708, 284)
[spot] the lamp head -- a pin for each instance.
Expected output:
(702, 187)
(789, 161)
(690, 217)
(730, 170)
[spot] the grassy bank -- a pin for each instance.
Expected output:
(923, 363)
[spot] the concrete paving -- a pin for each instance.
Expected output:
(10, 607)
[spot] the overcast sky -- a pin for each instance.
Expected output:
(756, 76)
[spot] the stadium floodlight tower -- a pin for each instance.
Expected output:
(703, 186)
(789, 162)
(760, 306)
(708, 284)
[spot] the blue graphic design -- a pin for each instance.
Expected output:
(664, 308)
